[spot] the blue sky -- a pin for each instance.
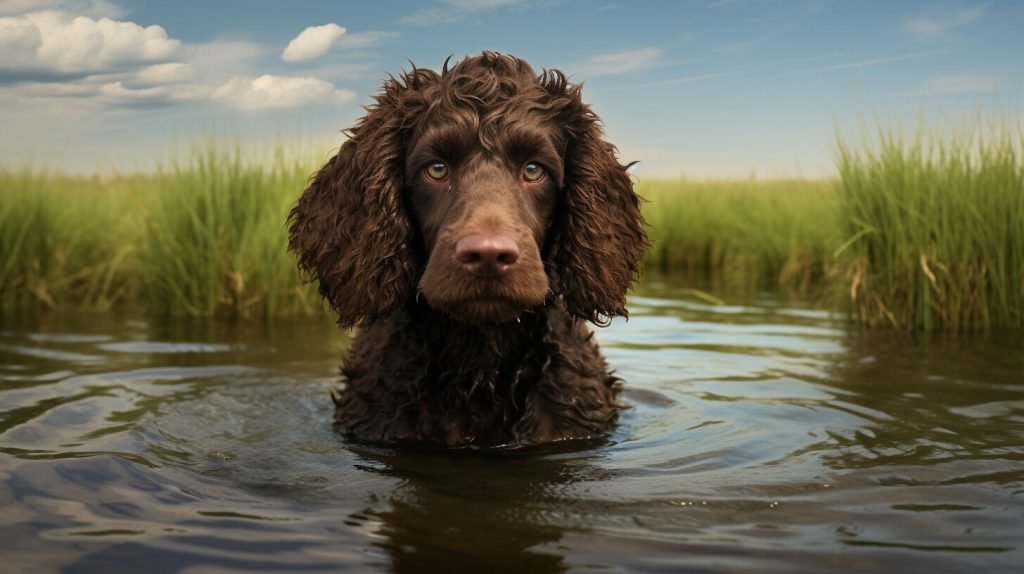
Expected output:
(704, 88)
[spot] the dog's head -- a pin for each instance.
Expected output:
(487, 189)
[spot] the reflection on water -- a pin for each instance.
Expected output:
(764, 436)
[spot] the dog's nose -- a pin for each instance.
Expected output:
(487, 255)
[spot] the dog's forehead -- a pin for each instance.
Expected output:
(486, 123)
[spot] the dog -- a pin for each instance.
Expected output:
(472, 224)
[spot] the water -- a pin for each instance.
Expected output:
(765, 436)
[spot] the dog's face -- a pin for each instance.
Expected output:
(482, 190)
(486, 190)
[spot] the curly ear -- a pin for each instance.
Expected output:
(349, 228)
(601, 236)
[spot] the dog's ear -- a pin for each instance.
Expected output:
(350, 229)
(600, 235)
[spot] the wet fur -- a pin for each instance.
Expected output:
(443, 356)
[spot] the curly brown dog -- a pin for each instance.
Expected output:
(470, 226)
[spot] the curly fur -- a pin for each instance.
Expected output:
(443, 355)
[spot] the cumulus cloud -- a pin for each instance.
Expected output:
(269, 91)
(313, 42)
(619, 62)
(58, 90)
(119, 91)
(99, 93)
(59, 43)
(169, 73)
(19, 42)
(110, 64)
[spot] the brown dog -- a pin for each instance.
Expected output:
(471, 224)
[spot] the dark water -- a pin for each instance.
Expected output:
(764, 437)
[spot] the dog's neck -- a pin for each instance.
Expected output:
(448, 338)
(467, 359)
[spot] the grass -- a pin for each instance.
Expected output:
(916, 235)
(776, 233)
(59, 239)
(204, 235)
(213, 235)
(936, 231)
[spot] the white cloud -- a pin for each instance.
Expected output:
(116, 93)
(59, 43)
(312, 42)
(269, 91)
(19, 42)
(618, 62)
(363, 39)
(108, 64)
(936, 26)
(57, 90)
(99, 93)
(118, 90)
(169, 73)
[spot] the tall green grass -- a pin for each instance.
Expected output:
(63, 239)
(775, 233)
(214, 237)
(935, 230)
(917, 235)
(204, 235)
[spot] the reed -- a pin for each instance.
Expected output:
(918, 234)
(213, 235)
(62, 239)
(935, 230)
(203, 235)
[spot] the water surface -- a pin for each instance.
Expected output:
(764, 436)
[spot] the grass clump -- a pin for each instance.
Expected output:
(61, 240)
(935, 231)
(200, 236)
(214, 237)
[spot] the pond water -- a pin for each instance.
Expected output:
(764, 436)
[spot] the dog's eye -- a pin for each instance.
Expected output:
(437, 170)
(533, 172)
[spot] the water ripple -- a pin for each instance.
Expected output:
(761, 436)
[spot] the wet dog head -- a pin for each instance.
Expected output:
(485, 190)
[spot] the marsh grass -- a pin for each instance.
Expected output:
(203, 235)
(935, 230)
(62, 239)
(214, 237)
(916, 235)
(766, 234)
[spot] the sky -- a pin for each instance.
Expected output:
(701, 88)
